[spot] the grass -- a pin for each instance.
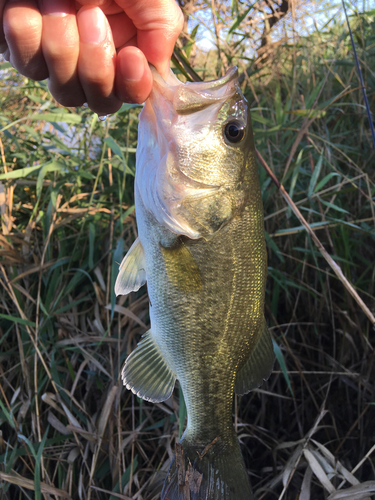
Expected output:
(68, 427)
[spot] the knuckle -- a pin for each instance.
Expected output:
(31, 70)
(35, 72)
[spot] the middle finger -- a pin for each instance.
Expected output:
(97, 59)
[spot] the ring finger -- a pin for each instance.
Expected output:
(60, 44)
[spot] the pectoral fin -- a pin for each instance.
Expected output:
(182, 270)
(132, 272)
(259, 365)
(146, 373)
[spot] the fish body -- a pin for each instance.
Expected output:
(201, 248)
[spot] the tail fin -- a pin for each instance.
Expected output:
(215, 472)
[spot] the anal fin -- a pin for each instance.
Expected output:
(146, 373)
(259, 365)
(132, 272)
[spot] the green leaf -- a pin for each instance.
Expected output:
(38, 458)
(9, 463)
(29, 444)
(20, 321)
(20, 452)
(77, 278)
(22, 172)
(311, 98)
(315, 176)
(69, 118)
(71, 304)
(293, 182)
(234, 7)
(256, 117)
(297, 229)
(60, 262)
(112, 144)
(53, 166)
(44, 310)
(8, 416)
(280, 359)
(160, 423)
(326, 179)
(311, 113)
(125, 478)
(270, 242)
(334, 207)
(189, 46)
(278, 109)
(91, 244)
(94, 121)
(126, 107)
(239, 20)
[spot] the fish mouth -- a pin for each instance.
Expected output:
(195, 96)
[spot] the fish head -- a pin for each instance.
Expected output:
(195, 155)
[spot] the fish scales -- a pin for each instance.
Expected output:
(202, 250)
(207, 322)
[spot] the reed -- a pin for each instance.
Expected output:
(68, 427)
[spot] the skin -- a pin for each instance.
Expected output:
(92, 51)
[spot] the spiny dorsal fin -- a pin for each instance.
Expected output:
(132, 271)
(146, 373)
(259, 365)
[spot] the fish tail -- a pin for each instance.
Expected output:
(212, 472)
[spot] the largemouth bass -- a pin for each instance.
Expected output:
(201, 248)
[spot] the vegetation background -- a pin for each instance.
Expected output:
(68, 427)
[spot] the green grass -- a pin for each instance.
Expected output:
(69, 428)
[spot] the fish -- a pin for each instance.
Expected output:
(201, 249)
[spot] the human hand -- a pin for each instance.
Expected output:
(94, 51)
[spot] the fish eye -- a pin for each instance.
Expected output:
(234, 132)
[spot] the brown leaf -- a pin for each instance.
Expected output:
(29, 484)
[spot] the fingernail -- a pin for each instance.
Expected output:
(133, 72)
(56, 8)
(92, 25)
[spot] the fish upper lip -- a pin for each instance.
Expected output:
(229, 76)
(194, 96)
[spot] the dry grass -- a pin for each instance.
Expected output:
(68, 427)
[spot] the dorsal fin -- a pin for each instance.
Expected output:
(259, 365)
